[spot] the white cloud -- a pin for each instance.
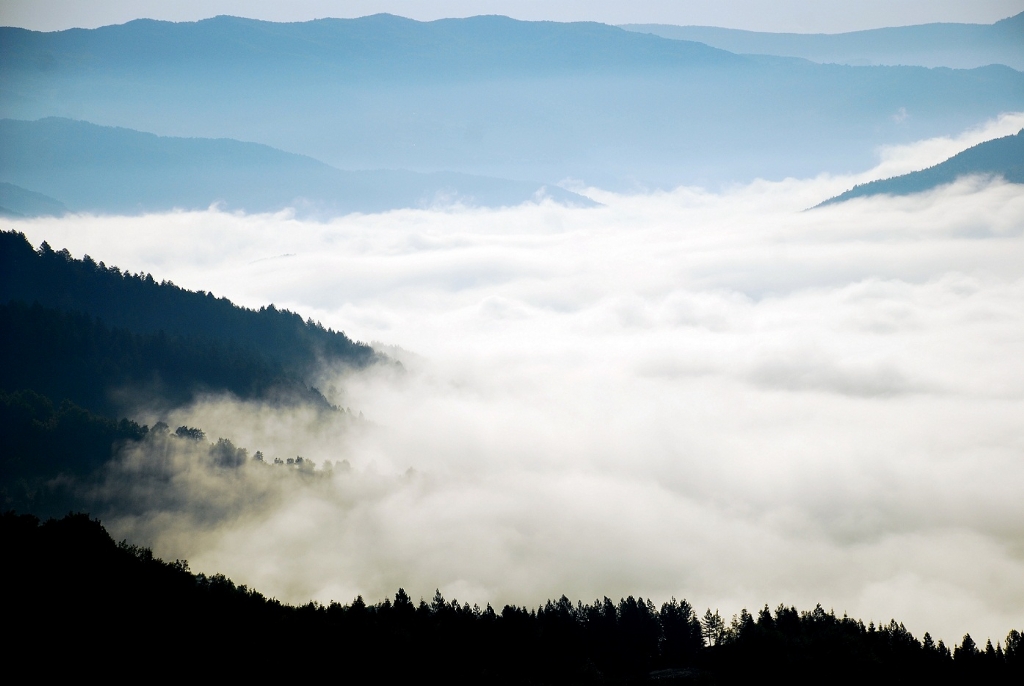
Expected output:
(716, 396)
(901, 159)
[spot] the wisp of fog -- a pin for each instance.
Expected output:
(718, 396)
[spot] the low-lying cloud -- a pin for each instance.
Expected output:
(721, 397)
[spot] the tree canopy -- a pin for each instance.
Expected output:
(70, 573)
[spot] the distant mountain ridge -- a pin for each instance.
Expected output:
(16, 201)
(961, 46)
(1003, 157)
(101, 169)
(381, 45)
(491, 96)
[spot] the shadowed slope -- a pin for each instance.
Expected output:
(140, 304)
(1002, 157)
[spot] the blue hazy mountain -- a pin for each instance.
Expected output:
(961, 46)
(113, 170)
(16, 201)
(492, 96)
(1003, 157)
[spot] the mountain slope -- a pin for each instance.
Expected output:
(84, 347)
(141, 305)
(112, 170)
(19, 202)
(960, 46)
(492, 96)
(76, 357)
(1000, 157)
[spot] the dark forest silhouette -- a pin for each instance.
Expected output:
(100, 604)
(82, 345)
(42, 442)
(72, 356)
(74, 334)
(138, 303)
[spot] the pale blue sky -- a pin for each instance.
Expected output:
(762, 15)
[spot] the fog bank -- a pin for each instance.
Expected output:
(721, 397)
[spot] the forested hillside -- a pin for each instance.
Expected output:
(140, 304)
(52, 453)
(161, 613)
(1002, 157)
(72, 356)
(83, 347)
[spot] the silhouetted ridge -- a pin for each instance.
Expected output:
(70, 573)
(1014, 24)
(1002, 157)
(140, 304)
(72, 356)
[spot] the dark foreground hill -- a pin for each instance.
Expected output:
(85, 604)
(140, 304)
(107, 170)
(110, 371)
(106, 344)
(491, 96)
(1002, 157)
(960, 46)
(85, 347)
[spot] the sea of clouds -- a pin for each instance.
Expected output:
(717, 396)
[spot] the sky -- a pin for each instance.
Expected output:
(801, 16)
(714, 396)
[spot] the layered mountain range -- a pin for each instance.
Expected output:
(80, 167)
(533, 102)
(959, 46)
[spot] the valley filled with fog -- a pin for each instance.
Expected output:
(722, 395)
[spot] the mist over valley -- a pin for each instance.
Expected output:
(513, 316)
